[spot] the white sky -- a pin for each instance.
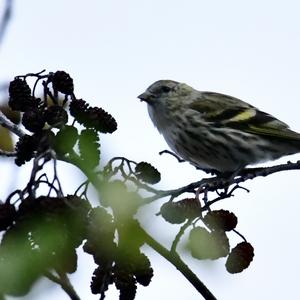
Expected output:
(115, 49)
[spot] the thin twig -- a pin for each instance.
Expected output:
(190, 188)
(56, 178)
(85, 184)
(180, 234)
(239, 234)
(179, 159)
(65, 283)
(5, 122)
(7, 153)
(175, 259)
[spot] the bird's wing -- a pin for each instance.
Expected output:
(223, 110)
(215, 107)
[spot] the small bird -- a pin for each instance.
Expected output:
(215, 132)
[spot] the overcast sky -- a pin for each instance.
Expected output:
(114, 49)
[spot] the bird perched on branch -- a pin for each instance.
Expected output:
(215, 132)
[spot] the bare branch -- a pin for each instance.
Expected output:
(180, 234)
(179, 159)
(5, 122)
(174, 259)
(7, 153)
(215, 183)
(65, 283)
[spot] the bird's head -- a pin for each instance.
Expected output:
(161, 90)
(164, 98)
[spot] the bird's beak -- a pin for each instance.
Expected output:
(146, 96)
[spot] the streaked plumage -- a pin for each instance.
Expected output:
(215, 131)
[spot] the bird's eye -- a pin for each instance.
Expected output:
(165, 89)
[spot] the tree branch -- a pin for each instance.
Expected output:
(65, 283)
(213, 184)
(180, 234)
(175, 259)
(5, 122)
(7, 153)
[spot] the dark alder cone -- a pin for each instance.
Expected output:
(208, 245)
(239, 258)
(220, 220)
(7, 215)
(125, 283)
(28, 207)
(76, 216)
(33, 120)
(55, 205)
(142, 269)
(25, 148)
(27, 145)
(78, 108)
(62, 82)
(221, 243)
(101, 120)
(190, 207)
(178, 212)
(170, 212)
(92, 117)
(198, 243)
(101, 279)
(65, 139)
(20, 98)
(61, 228)
(74, 212)
(100, 236)
(147, 173)
(56, 116)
